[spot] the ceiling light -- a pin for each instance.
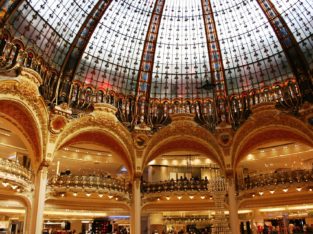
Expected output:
(179, 197)
(88, 194)
(18, 190)
(100, 195)
(253, 195)
(158, 199)
(5, 184)
(202, 197)
(299, 189)
(285, 190)
(211, 197)
(14, 186)
(74, 194)
(62, 194)
(261, 193)
(191, 197)
(272, 191)
(110, 196)
(168, 198)
(310, 190)
(116, 198)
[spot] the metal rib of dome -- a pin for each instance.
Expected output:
(49, 26)
(252, 54)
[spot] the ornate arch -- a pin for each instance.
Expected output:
(22, 105)
(100, 128)
(183, 134)
(266, 125)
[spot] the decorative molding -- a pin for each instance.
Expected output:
(184, 129)
(263, 126)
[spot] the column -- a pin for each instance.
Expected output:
(27, 220)
(38, 202)
(257, 221)
(136, 207)
(156, 223)
(233, 208)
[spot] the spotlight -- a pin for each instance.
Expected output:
(88, 194)
(14, 186)
(285, 190)
(261, 193)
(272, 191)
(100, 195)
(299, 189)
(62, 194)
(5, 184)
(202, 197)
(168, 198)
(191, 197)
(75, 194)
(110, 196)
(179, 197)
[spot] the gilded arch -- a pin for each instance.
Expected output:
(183, 134)
(266, 125)
(22, 105)
(102, 129)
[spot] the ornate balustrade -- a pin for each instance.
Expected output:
(14, 175)
(272, 180)
(175, 186)
(134, 111)
(90, 184)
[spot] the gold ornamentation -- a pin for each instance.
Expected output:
(265, 124)
(183, 128)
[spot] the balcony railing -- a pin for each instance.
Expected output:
(175, 185)
(90, 184)
(284, 178)
(14, 175)
(132, 111)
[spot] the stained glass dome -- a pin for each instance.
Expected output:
(236, 44)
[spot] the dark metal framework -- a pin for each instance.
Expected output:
(11, 8)
(146, 64)
(294, 55)
(214, 51)
(79, 44)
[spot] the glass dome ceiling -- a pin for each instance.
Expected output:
(252, 55)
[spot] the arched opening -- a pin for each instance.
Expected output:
(274, 178)
(16, 177)
(18, 118)
(177, 184)
(13, 214)
(90, 165)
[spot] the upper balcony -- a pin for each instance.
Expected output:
(90, 186)
(14, 176)
(277, 182)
